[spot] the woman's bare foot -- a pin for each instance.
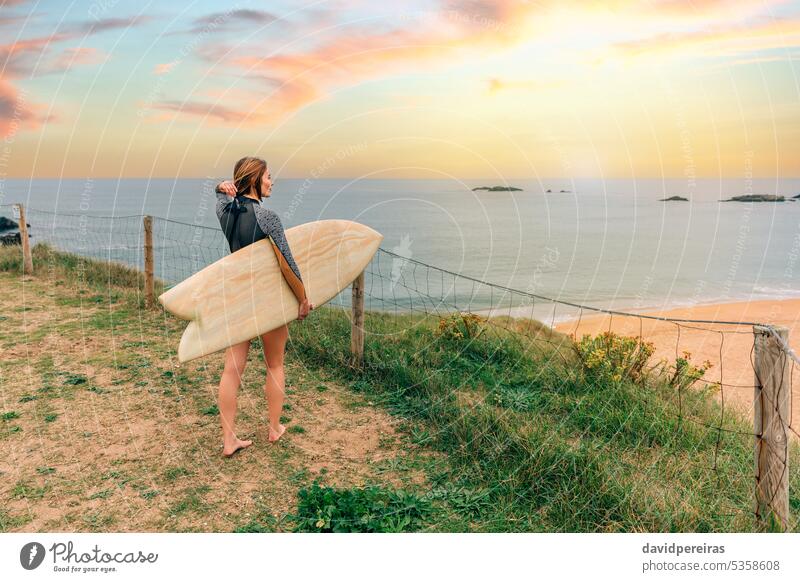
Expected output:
(228, 450)
(273, 435)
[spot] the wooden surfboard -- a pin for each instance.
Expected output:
(244, 294)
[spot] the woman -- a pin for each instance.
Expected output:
(244, 221)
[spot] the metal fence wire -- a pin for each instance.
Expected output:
(419, 293)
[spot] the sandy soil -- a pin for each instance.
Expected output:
(102, 430)
(727, 347)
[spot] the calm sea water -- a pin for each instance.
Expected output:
(602, 243)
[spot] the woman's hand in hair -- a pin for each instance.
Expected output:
(228, 187)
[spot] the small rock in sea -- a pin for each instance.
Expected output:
(8, 224)
(10, 239)
(756, 198)
(674, 198)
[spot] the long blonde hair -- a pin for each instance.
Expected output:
(247, 175)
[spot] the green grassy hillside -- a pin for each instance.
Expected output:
(452, 424)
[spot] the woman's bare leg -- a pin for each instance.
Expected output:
(235, 362)
(274, 343)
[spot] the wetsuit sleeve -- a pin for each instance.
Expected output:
(270, 223)
(222, 200)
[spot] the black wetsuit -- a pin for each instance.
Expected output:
(244, 221)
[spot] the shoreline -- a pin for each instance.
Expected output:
(524, 311)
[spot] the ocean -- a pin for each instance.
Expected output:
(609, 244)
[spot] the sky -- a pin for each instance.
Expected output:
(421, 89)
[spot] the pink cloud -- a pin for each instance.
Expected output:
(34, 56)
(217, 22)
(163, 68)
(72, 57)
(460, 28)
(299, 78)
(207, 110)
(16, 112)
(722, 41)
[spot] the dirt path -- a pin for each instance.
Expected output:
(102, 430)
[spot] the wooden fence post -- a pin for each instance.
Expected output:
(149, 291)
(27, 259)
(771, 410)
(357, 327)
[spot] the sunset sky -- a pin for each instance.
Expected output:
(429, 89)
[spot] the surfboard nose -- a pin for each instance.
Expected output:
(363, 235)
(355, 247)
(178, 302)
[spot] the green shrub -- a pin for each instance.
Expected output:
(368, 509)
(686, 374)
(611, 357)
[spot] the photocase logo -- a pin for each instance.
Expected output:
(31, 555)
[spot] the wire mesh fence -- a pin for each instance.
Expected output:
(402, 294)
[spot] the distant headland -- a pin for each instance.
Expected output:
(756, 198)
(498, 189)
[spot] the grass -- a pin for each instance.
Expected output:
(106, 282)
(369, 509)
(103, 430)
(514, 427)
(174, 473)
(9, 522)
(548, 442)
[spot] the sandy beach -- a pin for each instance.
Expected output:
(727, 347)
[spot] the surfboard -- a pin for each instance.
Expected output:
(244, 294)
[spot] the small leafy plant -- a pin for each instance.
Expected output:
(368, 509)
(686, 374)
(612, 357)
(460, 326)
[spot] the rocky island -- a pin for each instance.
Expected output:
(10, 238)
(674, 199)
(498, 189)
(756, 198)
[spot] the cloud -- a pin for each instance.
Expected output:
(9, 20)
(227, 21)
(722, 41)
(711, 8)
(72, 57)
(768, 59)
(358, 53)
(289, 96)
(15, 112)
(207, 110)
(163, 68)
(94, 26)
(38, 56)
(20, 58)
